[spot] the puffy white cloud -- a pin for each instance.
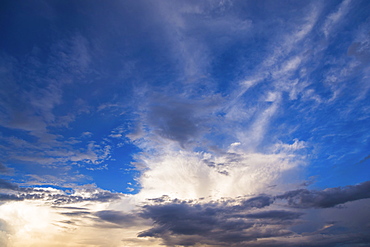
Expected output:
(191, 175)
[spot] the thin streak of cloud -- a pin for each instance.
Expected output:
(333, 19)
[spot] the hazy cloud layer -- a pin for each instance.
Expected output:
(259, 220)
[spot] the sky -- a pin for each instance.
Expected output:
(184, 123)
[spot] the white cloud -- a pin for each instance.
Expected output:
(86, 134)
(188, 32)
(38, 223)
(334, 18)
(192, 175)
(252, 136)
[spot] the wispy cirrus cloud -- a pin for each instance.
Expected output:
(335, 17)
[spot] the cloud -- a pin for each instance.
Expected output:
(77, 221)
(327, 198)
(119, 219)
(361, 50)
(189, 139)
(191, 175)
(76, 213)
(275, 215)
(256, 202)
(5, 170)
(34, 116)
(56, 197)
(175, 120)
(364, 159)
(186, 223)
(180, 119)
(10, 197)
(7, 185)
(302, 198)
(333, 19)
(68, 216)
(64, 156)
(94, 197)
(219, 94)
(256, 221)
(245, 221)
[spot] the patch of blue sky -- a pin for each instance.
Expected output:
(117, 175)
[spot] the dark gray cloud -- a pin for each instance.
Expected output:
(77, 213)
(241, 222)
(4, 169)
(7, 185)
(317, 240)
(117, 217)
(179, 119)
(326, 198)
(70, 208)
(174, 120)
(274, 214)
(10, 197)
(217, 223)
(364, 159)
(257, 202)
(180, 223)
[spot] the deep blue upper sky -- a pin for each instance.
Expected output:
(88, 87)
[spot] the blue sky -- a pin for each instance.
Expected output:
(114, 113)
